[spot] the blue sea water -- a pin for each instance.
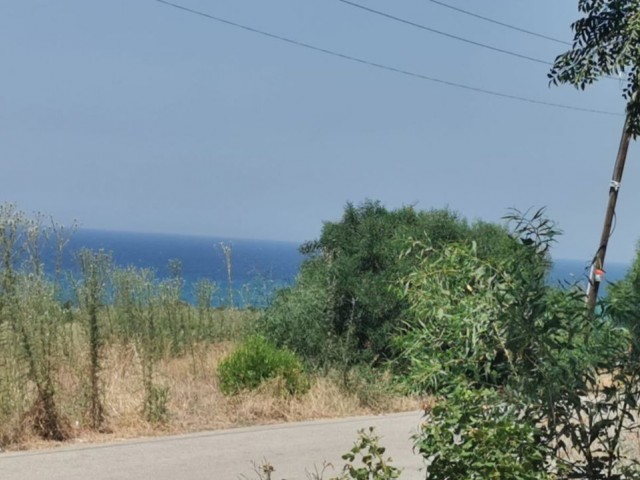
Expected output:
(569, 272)
(258, 266)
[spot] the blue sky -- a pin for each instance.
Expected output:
(131, 115)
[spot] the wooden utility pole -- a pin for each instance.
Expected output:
(598, 261)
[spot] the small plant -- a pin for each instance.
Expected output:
(262, 471)
(366, 460)
(156, 402)
(257, 360)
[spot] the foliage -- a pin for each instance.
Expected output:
(493, 241)
(344, 298)
(36, 320)
(360, 256)
(149, 312)
(474, 317)
(299, 318)
(374, 465)
(475, 434)
(30, 316)
(480, 325)
(606, 42)
(623, 302)
(92, 294)
(53, 349)
(255, 361)
(589, 428)
(156, 401)
(453, 331)
(374, 387)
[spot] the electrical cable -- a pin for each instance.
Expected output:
(444, 34)
(387, 67)
(502, 24)
(456, 37)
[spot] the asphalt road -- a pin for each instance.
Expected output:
(292, 448)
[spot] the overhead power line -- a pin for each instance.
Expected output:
(455, 37)
(444, 34)
(382, 66)
(502, 24)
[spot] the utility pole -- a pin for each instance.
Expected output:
(598, 260)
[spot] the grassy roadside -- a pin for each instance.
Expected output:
(513, 365)
(117, 353)
(194, 400)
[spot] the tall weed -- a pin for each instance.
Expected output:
(92, 297)
(30, 316)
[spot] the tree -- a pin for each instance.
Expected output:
(515, 367)
(346, 291)
(606, 42)
(360, 254)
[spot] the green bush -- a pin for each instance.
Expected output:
(453, 324)
(255, 361)
(344, 299)
(474, 434)
(521, 364)
(299, 318)
(361, 257)
(497, 322)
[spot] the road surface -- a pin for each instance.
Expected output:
(220, 455)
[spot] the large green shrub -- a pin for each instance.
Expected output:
(344, 298)
(453, 327)
(496, 321)
(255, 361)
(497, 327)
(361, 256)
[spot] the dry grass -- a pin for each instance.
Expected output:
(195, 401)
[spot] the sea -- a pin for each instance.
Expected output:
(253, 270)
(258, 267)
